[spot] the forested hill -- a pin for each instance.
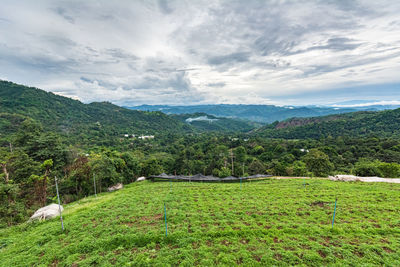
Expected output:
(203, 122)
(256, 113)
(356, 124)
(73, 118)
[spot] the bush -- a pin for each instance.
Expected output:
(377, 168)
(224, 172)
(366, 168)
(390, 170)
(318, 163)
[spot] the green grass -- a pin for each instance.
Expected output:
(269, 222)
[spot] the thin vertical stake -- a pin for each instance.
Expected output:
(334, 213)
(165, 217)
(94, 184)
(240, 183)
(59, 204)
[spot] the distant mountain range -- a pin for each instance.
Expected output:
(263, 113)
(203, 122)
(98, 121)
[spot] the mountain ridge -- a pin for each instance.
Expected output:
(356, 124)
(256, 113)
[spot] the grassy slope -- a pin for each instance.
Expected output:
(264, 223)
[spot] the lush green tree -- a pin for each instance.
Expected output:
(257, 150)
(278, 168)
(240, 154)
(367, 168)
(132, 167)
(104, 169)
(12, 209)
(151, 167)
(390, 170)
(318, 163)
(299, 168)
(256, 167)
(79, 176)
(224, 172)
(21, 166)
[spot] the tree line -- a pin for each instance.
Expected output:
(31, 157)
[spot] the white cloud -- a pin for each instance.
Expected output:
(373, 103)
(189, 52)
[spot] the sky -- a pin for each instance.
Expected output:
(204, 52)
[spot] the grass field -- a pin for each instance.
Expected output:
(269, 222)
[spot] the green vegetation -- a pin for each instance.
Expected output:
(43, 135)
(216, 124)
(99, 123)
(377, 168)
(26, 178)
(356, 124)
(262, 223)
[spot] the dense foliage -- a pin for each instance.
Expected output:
(43, 135)
(379, 124)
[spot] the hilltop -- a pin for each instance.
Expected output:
(356, 124)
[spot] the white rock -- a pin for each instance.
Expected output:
(47, 212)
(140, 179)
(115, 187)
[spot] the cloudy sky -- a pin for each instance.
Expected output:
(196, 52)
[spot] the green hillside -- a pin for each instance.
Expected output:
(249, 224)
(356, 124)
(203, 122)
(78, 120)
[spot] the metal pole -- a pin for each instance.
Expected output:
(334, 213)
(94, 184)
(165, 217)
(232, 161)
(59, 205)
